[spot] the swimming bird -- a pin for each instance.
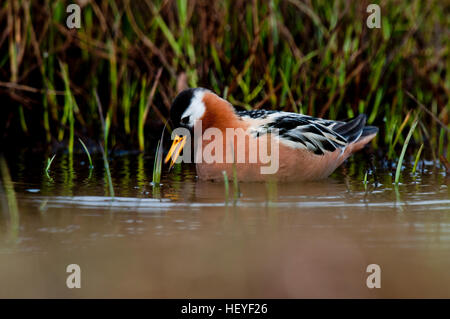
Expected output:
(306, 148)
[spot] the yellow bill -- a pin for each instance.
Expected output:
(175, 149)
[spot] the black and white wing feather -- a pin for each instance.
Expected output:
(307, 132)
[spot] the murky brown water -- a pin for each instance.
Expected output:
(184, 240)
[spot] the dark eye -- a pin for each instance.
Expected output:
(185, 120)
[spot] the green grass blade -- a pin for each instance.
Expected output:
(405, 146)
(69, 102)
(156, 178)
(87, 153)
(108, 173)
(157, 164)
(227, 186)
(49, 163)
(417, 159)
(365, 181)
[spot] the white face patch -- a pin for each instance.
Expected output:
(196, 109)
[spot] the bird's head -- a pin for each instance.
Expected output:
(187, 107)
(191, 106)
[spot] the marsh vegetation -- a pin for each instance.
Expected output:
(82, 175)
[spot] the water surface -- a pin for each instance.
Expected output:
(186, 239)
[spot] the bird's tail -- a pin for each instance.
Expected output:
(369, 130)
(356, 132)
